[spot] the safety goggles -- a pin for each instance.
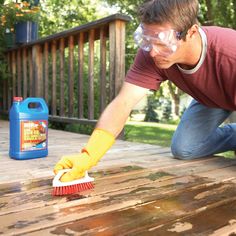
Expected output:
(164, 42)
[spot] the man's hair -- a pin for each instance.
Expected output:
(181, 14)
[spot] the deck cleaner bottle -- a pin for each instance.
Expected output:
(28, 128)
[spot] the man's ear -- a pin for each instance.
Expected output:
(192, 32)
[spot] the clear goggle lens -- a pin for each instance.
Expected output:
(164, 42)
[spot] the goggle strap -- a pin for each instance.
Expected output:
(182, 34)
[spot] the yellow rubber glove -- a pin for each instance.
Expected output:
(100, 141)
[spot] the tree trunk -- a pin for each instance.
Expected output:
(209, 16)
(175, 95)
(176, 102)
(234, 7)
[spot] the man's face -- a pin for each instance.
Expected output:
(161, 42)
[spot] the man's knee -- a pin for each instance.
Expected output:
(183, 152)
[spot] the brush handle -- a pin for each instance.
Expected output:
(63, 171)
(57, 182)
(59, 174)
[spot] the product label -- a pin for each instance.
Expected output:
(33, 135)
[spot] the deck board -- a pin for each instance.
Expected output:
(139, 190)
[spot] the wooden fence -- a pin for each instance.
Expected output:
(78, 71)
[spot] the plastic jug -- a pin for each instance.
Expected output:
(28, 128)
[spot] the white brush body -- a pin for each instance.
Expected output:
(57, 183)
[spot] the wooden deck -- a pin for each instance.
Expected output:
(139, 190)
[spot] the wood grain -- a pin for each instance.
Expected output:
(139, 190)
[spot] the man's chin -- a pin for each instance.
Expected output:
(163, 65)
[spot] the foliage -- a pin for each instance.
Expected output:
(79, 128)
(3, 68)
(59, 15)
(26, 12)
(8, 16)
(220, 12)
(13, 13)
(166, 115)
(75, 128)
(128, 7)
(150, 113)
(4, 74)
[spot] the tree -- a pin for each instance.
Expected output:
(128, 7)
(218, 12)
(151, 114)
(175, 94)
(59, 15)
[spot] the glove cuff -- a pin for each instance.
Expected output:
(99, 143)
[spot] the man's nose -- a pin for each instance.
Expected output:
(153, 52)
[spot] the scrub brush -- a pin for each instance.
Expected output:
(75, 186)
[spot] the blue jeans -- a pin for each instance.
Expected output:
(199, 133)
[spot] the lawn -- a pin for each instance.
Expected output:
(136, 131)
(149, 132)
(154, 133)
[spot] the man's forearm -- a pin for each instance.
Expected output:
(114, 117)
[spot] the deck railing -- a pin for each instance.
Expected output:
(77, 71)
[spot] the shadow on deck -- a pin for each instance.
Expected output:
(139, 190)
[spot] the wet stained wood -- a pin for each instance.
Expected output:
(132, 216)
(139, 190)
(208, 222)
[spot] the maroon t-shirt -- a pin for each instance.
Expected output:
(212, 84)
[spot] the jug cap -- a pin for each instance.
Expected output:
(17, 99)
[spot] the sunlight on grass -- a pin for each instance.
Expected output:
(155, 133)
(229, 154)
(149, 132)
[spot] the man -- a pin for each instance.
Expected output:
(199, 60)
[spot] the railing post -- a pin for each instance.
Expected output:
(117, 56)
(54, 78)
(71, 75)
(9, 83)
(117, 59)
(46, 70)
(37, 70)
(4, 93)
(19, 70)
(13, 69)
(91, 76)
(25, 77)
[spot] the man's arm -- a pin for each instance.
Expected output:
(116, 113)
(108, 127)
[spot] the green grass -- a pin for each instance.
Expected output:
(154, 133)
(149, 132)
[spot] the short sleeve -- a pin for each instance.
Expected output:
(144, 72)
